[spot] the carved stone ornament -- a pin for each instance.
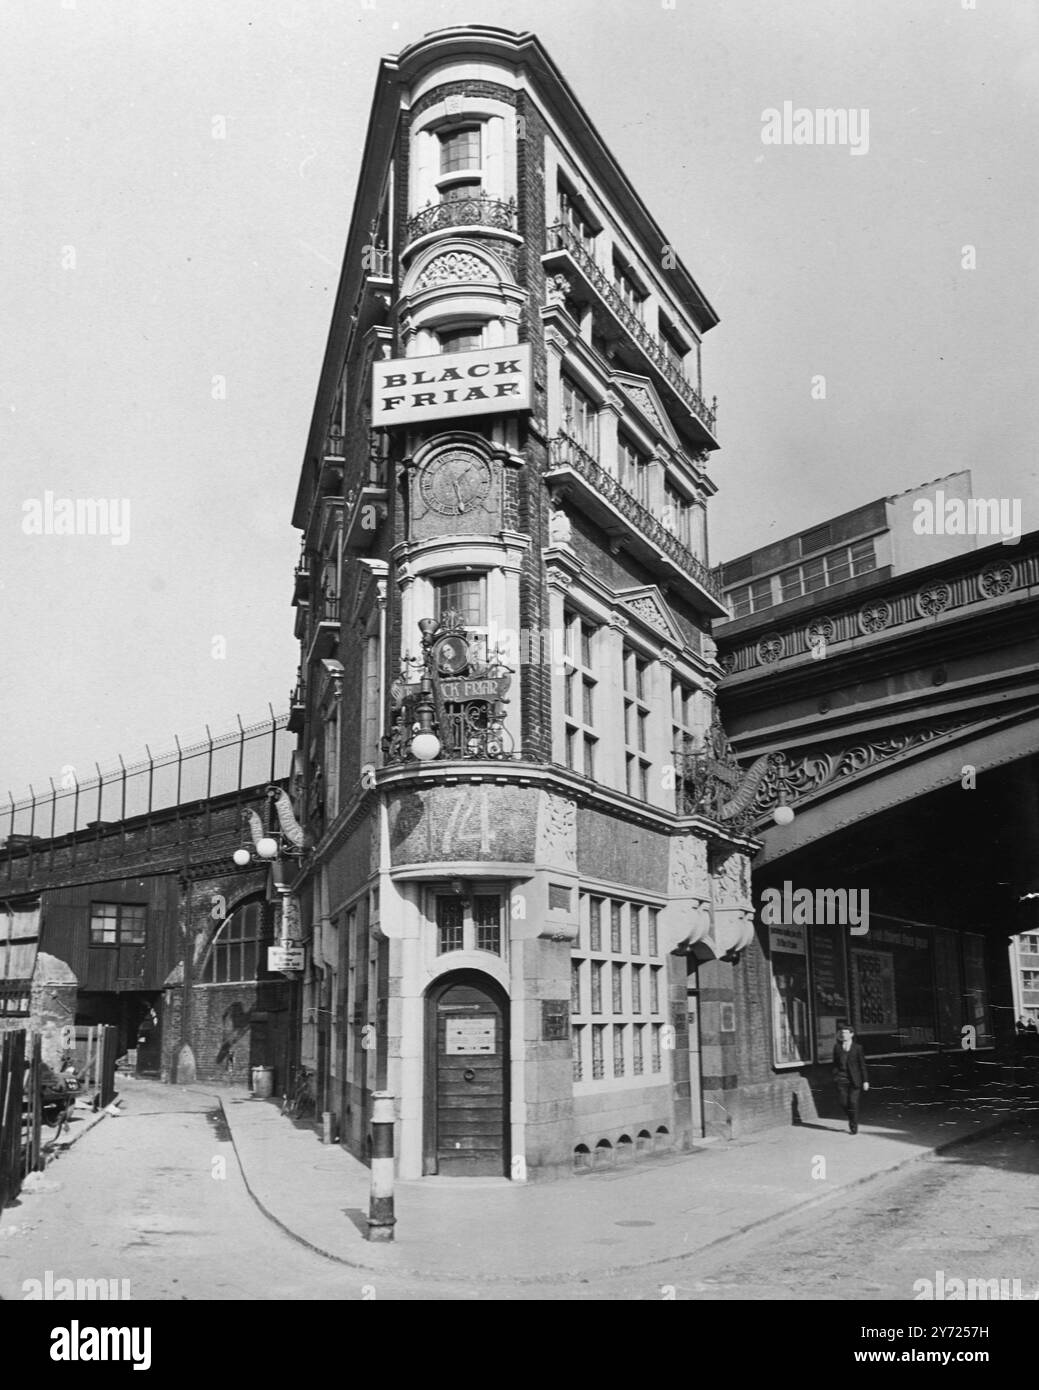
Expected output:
(933, 599)
(557, 289)
(557, 831)
(728, 662)
(650, 614)
(688, 875)
(644, 401)
(771, 649)
(559, 527)
(874, 617)
(820, 631)
(996, 580)
(456, 267)
(731, 880)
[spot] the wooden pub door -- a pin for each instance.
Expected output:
(467, 1100)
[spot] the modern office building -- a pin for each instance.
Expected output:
(514, 901)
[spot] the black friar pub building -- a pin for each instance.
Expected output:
(520, 917)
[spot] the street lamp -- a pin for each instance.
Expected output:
(425, 746)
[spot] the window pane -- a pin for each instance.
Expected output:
(790, 583)
(597, 1061)
(463, 595)
(595, 924)
(636, 1043)
(618, 989)
(636, 989)
(104, 919)
(838, 567)
(596, 987)
(487, 919)
(589, 757)
(761, 592)
(615, 928)
(575, 987)
(450, 924)
(131, 926)
(460, 339)
(635, 920)
(459, 150)
(618, 1049)
(863, 557)
(587, 703)
(654, 913)
(578, 1038)
(814, 575)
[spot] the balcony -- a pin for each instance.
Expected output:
(323, 630)
(564, 244)
(612, 507)
(301, 579)
(488, 213)
(297, 705)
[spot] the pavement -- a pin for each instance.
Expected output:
(655, 1210)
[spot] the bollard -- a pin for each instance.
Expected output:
(327, 1127)
(381, 1220)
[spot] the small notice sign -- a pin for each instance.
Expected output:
(470, 1035)
(284, 958)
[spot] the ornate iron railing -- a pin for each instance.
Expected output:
(565, 451)
(561, 238)
(463, 212)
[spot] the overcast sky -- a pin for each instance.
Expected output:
(144, 256)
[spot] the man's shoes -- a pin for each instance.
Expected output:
(853, 1129)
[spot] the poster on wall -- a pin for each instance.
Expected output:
(791, 1042)
(829, 986)
(874, 978)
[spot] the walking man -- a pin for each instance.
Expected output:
(849, 1073)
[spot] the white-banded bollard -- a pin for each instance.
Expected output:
(381, 1219)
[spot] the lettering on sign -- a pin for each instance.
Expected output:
(489, 688)
(405, 389)
(470, 1035)
(284, 958)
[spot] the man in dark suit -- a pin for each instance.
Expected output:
(849, 1073)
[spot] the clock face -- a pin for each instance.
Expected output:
(455, 481)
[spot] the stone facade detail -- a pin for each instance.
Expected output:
(456, 267)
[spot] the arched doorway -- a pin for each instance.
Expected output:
(466, 1077)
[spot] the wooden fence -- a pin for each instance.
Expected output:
(95, 1057)
(20, 1110)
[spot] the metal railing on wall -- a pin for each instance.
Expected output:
(219, 765)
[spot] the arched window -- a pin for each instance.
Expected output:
(239, 949)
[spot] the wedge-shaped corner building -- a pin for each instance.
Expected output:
(527, 875)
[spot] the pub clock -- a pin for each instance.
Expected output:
(454, 482)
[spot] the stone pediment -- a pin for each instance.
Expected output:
(643, 396)
(646, 605)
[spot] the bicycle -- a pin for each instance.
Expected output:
(301, 1102)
